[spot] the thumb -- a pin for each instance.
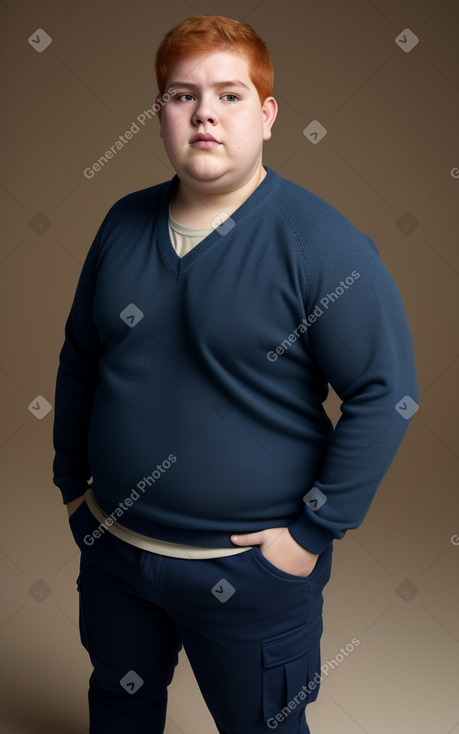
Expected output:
(247, 539)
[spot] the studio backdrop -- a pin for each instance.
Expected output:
(368, 94)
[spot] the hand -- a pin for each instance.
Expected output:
(281, 549)
(74, 504)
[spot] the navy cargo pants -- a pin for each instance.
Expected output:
(251, 633)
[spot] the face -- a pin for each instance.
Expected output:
(213, 128)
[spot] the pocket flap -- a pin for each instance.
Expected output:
(292, 644)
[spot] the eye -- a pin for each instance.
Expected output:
(181, 97)
(230, 97)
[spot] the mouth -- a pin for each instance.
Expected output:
(204, 141)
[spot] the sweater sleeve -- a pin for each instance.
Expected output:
(362, 345)
(77, 379)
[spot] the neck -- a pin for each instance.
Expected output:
(197, 208)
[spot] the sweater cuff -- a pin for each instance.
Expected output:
(311, 536)
(71, 489)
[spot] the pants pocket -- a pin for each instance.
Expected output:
(291, 669)
(80, 522)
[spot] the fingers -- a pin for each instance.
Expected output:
(247, 539)
(262, 537)
(251, 538)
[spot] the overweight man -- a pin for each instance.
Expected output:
(204, 481)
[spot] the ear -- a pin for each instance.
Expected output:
(269, 110)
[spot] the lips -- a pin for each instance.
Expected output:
(203, 136)
(204, 141)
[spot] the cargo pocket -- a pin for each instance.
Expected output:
(82, 624)
(291, 667)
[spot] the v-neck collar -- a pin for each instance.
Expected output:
(179, 265)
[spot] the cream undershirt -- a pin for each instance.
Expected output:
(162, 547)
(183, 239)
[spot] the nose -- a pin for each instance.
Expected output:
(204, 112)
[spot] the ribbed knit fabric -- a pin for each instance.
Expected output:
(191, 388)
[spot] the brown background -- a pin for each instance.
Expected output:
(391, 148)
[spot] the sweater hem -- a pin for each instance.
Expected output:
(183, 536)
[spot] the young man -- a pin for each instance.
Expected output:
(211, 314)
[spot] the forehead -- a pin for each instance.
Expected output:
(210, 68)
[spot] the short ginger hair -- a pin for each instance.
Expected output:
(206, 33)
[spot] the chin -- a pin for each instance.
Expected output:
(205, 172)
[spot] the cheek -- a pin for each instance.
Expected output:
(171, 126)
(246, 134)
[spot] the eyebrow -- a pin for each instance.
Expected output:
(217, 85)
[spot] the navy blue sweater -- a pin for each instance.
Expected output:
(191, 389)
